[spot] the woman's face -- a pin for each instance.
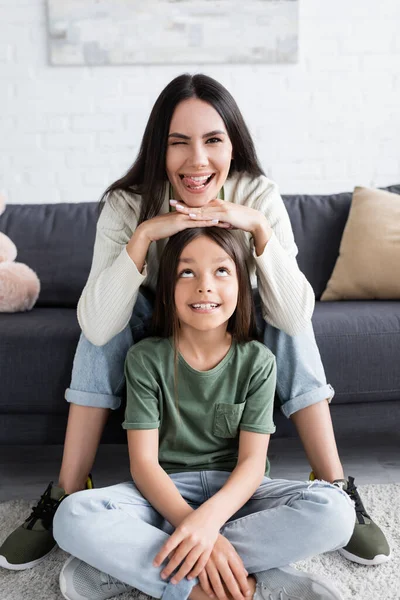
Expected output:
(206, 290)
(199, 152)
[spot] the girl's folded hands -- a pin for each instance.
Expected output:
(191, 544)
(199, 550)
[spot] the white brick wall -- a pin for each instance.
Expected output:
(323, 125)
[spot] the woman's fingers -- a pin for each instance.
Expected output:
(239, 216)
(202, 217)
(208, 212)
(197, 223)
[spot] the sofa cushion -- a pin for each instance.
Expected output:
(359, 342)
(318, 223)
(56, 241)
(36, 354)
(369, 254)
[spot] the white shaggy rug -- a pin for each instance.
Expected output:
(354, 581)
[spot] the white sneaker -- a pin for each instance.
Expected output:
(287, 583)
(80, 581)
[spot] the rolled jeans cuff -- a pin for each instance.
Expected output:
(179, 591)
(325, 392)
(92, 399)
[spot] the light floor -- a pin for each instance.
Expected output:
(25, 471)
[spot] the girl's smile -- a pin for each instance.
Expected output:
(199, 153)
(208, 307)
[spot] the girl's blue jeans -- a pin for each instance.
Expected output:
(117, 531)
(98, 371)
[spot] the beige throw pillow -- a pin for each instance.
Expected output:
(368, 266)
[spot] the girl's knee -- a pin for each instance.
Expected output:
(336, 514)
(69, 516)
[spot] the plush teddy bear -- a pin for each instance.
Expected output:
(19, 285)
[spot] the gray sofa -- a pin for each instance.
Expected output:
(359, 341)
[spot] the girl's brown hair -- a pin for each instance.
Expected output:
(242, 324)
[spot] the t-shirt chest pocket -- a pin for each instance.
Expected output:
(227, 419)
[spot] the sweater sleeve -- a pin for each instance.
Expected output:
(106, 304)
(286, 295)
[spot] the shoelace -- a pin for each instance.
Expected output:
(111, 582)
(359, 507)
(44, 510)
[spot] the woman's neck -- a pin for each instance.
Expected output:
(204, 350)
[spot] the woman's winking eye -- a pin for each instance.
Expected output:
(211, 140)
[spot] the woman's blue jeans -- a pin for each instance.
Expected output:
(116, 530)
(98, 371)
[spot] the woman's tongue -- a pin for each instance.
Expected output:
(195, 183)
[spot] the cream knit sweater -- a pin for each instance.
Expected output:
(107, 301)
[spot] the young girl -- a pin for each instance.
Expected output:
(197, 166)
(199, 417)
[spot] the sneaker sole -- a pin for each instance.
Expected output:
(62, 581)
(21, 567)
(379, 559)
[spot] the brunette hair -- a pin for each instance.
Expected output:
(147, 176)
(242, 323)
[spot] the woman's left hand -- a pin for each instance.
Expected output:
(191, 544)
(236, 215)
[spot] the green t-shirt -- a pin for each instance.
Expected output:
(200, 430)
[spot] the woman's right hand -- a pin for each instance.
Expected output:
(164, 226)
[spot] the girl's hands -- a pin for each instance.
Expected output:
(163, 226)
(202, 552)
(236, 216)
(224, 569)
(191, 544)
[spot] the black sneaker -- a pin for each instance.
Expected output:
(32, 541)
(368, 545)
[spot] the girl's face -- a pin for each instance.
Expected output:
(199, 152)
(206, 290)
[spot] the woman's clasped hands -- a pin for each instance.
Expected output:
(199, 550)
(229, 214)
